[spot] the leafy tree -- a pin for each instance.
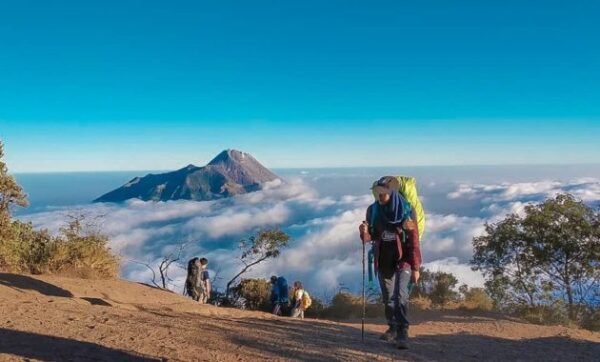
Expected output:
(442, 288)
(549, 256)
(264, 245)
(438, 286)
(10, 192)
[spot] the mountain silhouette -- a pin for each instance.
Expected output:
(231, 173)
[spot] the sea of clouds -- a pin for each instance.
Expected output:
(325, 251)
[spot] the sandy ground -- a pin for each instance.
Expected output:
(52, 318)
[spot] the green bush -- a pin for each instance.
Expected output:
(316, 309)
(256, 292)
(73, 252)
(543, 314)
(23, 249)
(591, 320)
(476, 299)
(345, 305)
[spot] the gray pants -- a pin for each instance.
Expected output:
(394, 291)
(297, 312)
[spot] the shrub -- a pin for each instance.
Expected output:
(543, 314)
(73, 252)
(316, 309)
(24, 249)
(255, 292)
(345, 305)
(81, 254)
(476, 299)
(591, 320)
(421, 303)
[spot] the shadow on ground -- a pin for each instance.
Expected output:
(97, 301)
(343, 343)
(47, 348)
(27, 283)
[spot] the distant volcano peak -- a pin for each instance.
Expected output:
(231, 172)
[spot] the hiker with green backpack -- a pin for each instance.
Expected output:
(393, 226)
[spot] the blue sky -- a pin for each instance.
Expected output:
(133, 85)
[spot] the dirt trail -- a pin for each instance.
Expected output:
(53, 318)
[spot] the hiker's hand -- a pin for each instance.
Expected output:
(363, 229)
(409, 225)
(415, 276)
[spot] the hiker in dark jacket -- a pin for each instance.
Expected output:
(397, 256)
(276, 308)
(279, 295)
(191, 281)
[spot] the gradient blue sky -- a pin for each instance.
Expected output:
(131, 85)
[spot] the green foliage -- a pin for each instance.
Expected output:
(437, 286)
(475, 299)
(10, 193)
(438, 290)
(264, 245)
(82, 253)
(73, 252)
(316, 309)
(542, 314)
(23, 249)
(345, 305)
(545, 263)
(591, 319)
(256, 292)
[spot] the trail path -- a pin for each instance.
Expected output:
(53, 318)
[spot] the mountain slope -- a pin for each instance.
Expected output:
(54, 318)
(232, 172)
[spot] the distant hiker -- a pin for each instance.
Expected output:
(301, 301)
(394, 232)
(279, 295)
(197, 283)
(203, 283)
(191, 281)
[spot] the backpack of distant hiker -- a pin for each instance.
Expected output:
(282, 284)
(193, 272)
(306, 301)
(407, 187)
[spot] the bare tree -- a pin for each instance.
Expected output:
(162, 274)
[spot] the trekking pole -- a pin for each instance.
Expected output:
(363, 294)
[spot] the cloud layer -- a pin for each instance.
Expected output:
(325, 251)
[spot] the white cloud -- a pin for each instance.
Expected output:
(463, 272)
(325, 251)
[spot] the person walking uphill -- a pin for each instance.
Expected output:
(397, 261)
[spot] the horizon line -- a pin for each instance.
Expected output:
(325, 167)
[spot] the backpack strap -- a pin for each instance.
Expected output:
(373, 217)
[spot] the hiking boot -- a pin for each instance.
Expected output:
(389, 335)
(402, 339)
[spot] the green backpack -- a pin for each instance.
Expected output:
(407, 187)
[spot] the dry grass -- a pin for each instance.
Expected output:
(71, 253)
